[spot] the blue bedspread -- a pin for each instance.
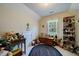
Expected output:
(44, 50)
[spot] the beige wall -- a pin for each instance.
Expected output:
(77, 28)
(14, 17)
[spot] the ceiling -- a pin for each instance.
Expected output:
(45, 9)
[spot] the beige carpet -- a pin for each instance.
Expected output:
(64, 52)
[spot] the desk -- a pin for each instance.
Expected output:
(20, 42)
(48, 41)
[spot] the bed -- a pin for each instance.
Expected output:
(46, 47)
(62, 51)
(44, 50)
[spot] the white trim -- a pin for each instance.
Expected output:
(52, 21)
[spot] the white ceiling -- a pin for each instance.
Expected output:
(75, 6)
(44, 9)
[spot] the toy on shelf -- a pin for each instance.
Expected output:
(12, 36)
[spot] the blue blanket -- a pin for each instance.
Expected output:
(44, 50)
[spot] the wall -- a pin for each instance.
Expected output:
(1, 13)
(14, 17)
(77, 28)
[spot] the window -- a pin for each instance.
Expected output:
(52, 27)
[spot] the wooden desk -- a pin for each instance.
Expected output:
(20, 42)
(48, 41)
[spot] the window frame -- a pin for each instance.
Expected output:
(51, 21)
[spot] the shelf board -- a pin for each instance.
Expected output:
(69, 35)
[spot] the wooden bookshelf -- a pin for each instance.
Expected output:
(69, 33)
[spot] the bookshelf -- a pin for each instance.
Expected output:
(69, 33)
